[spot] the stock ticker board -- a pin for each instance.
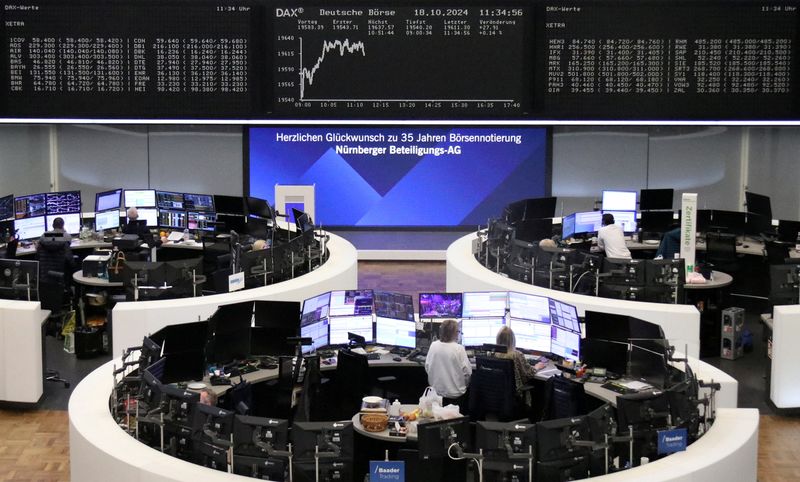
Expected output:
(517, 60)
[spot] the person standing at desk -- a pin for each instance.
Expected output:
(611, 239)
(523, 371)
(448, 367)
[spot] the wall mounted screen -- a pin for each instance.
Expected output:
(402, 176)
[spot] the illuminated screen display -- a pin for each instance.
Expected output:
(565, 316)
(169, 200)
(373, 176)
(103, 201)
(476, 332)
(317, 331)
(490, 303)
(340, 326)
(624, 219)
(390, 331)
(588, 222)
(619, 200)
(6, 207)
(140, 198)
(531, 335)
(565, 343)
(202, 220)
(440, 305)
(30, 206)
(72, 222)
(30, 228)
(149, 215)
(394, 305)
(198, 202)
(67, 202)
(529, 307)
(351, 303)
(315, 308)
(171, 219)
(106, 220)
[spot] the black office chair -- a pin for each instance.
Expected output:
(721, 252)
(776, 252)
(54, 266)
(492, 390)
(287, 378)
(308, 409)
(563, 398)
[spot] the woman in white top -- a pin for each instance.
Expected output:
(447, 365)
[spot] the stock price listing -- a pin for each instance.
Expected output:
(418, 62)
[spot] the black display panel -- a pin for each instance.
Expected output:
(422, 61)
(666, 60)
(125, 58)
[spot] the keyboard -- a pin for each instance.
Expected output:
(615, 387)
(373, 356)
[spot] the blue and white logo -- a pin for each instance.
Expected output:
(382, 471)
(670, 441)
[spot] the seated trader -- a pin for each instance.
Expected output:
(670, 244)
(139, 228)
(611, 238)
(448, 367)
(523, 371)
(58, 227)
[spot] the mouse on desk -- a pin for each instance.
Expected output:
(397, 358)
(738, 243)
(745, 246)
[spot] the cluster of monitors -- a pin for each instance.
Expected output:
(539, 323)
(164, 209)
(623, 205)
(201, 434)
(33, 214)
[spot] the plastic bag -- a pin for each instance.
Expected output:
(428, 399)
(446, 413)
(69, 326)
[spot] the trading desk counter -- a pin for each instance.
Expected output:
(681, 323)
(98, 447)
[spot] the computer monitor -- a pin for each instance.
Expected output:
(588, 222)
(484, 304)
(621, 271)
(315, 308)
(651, 199)
(140, 198)
(182, 337)
(214, 426)
(565, 343)
(302, 221)
(351, 303)
(657, 221)
(787, 230)
(257, 227)
(397, 306)
(534, 208)
(330, 437)
(256, 207)
(6, 207)
(169, 200)
(531, 335)
(529, 307)
(476, 332)
(30, 227)
(148, 215)
(259, 436)
(648, 361)
(198, 202)
(435, 439)
(665, 272)
(30, 206)
(229, 332)
(106, 220)
(609, 354)
(107, 200)
(624, 219)
(317, 330)
(72, 222)
(758, 204)
(440, 305)
(647, 412)
(340, 326)
(728, 221)
(556, 439)
(568, 226)
(143, 273)
(64, 202)
(395, 332)
(533, 230)
(202, 221)
(619, 201)
(495, 438)
(564, 315)
(171, 219)
(229, 204)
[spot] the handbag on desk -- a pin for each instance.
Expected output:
(115, 266)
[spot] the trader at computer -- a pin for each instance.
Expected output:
(134, 226)
(448, 367)
(523, 371)
(58, 228)
(611, 239)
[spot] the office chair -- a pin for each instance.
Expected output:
(492, 390)
(563, 398)
(520, 262)
(721, 251)
(54, 266)
(287, 378)
(776, 252)
(309, 406)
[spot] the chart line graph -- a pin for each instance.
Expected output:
(327, 46)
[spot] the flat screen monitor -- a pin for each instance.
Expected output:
(302, 221)
(351, 303)
(140, 198)
(624, 219)
(340, 326)
(229, 204)
(65, 202)
(440, 305)
(171, 219)
(479, 331)
(435, 438)
(657, 221)
(607, 326)
(568, 226)
(758, 204)
(106, 200)
(198, 202)
(394, 305)
(257, 207)
(534, 208)
(328, 436)
(182, 337)
(149, 216)
(524, 306)
(531, 335)
(250, 433)
(315, 308)
(609, 354)
(30, 206)
(650, 199)
(533, 230)
(72, 222)
(169, 200)
(6, 207)
(274, 314)
(274, 322)
(497, 437)
(106, 220)
(565, 343)
(395, 332)
(728, 221)
(317, 330)
(484, 304)
(202, 221)
(564, 315)
(587, 222)
(787, 230)
(30, 228)
(619, 201)
(229, 332)
(648, 362)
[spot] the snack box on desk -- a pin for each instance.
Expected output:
(95, 265)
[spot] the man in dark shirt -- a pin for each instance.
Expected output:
(139, 228)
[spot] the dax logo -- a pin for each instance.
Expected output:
(288, 12)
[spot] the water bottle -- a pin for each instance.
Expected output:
(186, 234)
(394, 410)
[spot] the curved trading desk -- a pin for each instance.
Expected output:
(134, 320)
(681, 323)
(98, 447)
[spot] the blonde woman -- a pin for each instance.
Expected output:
(523, 371)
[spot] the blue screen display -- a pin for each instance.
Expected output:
(402, 176)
